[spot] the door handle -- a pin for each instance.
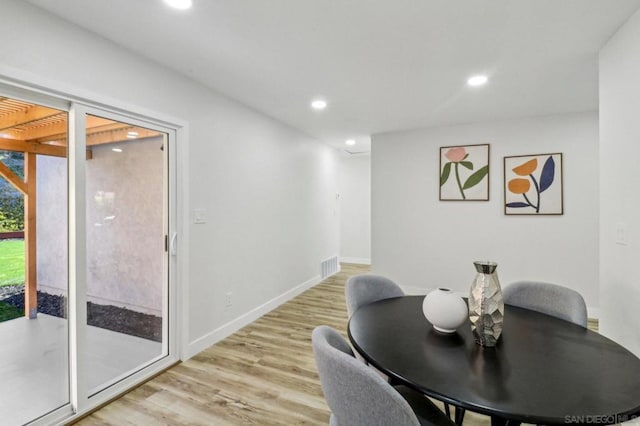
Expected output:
(173, 246)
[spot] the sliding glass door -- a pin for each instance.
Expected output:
(34, 328)
(87, 255)
(126, 256)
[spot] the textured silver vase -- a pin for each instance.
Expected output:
(486, 307)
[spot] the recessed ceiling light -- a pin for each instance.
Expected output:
(350, 142)
(179, 4)
(477, 80)
(319, 104)
(132, 135)
(116, 149)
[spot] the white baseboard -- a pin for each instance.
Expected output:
(236, 324)
(356, 260)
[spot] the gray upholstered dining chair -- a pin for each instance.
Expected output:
(368, 288)
(551, 299)
(364, 289)
(356, 395)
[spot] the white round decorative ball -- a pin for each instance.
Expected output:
(445, 310)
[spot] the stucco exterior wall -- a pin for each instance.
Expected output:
(125, 237)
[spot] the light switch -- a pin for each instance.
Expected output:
(199, 216)
(622, 234)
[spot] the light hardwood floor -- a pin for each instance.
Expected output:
(263, 374)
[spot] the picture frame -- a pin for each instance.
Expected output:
(464, 173)
(533, 184)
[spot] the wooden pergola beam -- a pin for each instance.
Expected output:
(53, 131)
(106, 138)
(110, 133)
(42, 132)
(118, 135)
(31, 272)
(13, 178)
(95, 122)
(36, 148)
(26, 116)
(56, 130)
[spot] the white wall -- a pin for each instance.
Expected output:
(354, 185)
(619, 183)
(269, 190)
(423, 243)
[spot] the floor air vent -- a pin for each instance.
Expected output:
(329, 267)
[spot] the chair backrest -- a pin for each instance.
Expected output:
(550, 299)
(355, 394)
(368, 288)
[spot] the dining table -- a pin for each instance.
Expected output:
(543, 370)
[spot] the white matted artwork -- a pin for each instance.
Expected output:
(533, 184)
(464, 173)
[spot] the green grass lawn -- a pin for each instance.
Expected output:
(9, 312)
(11, 262)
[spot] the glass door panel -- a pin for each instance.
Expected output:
(34, 330)
(126, 254)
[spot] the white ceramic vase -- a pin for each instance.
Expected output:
(445, 310)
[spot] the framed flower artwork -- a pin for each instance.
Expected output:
(464, 173)
(533, 184)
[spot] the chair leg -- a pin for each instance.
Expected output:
(458, 413)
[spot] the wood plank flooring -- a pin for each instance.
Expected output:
(264, 374)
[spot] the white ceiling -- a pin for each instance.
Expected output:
(382, 65)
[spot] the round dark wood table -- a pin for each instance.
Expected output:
(543, 370)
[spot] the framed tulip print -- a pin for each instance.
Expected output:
(533, 184)
(464, 173)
